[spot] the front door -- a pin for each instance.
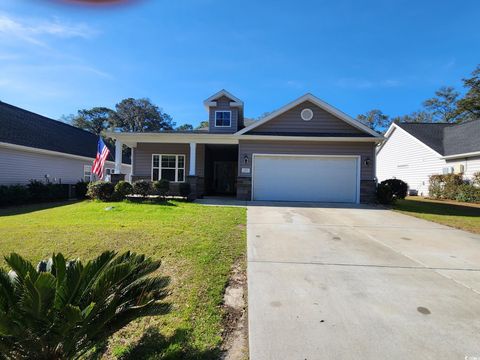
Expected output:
(224, 177)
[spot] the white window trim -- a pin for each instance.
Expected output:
(87, 168)
(176, 166)
(215, 119)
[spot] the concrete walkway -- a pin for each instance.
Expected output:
(359, 283)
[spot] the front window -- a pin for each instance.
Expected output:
(223, 118)
(169, 167)
(87, 173)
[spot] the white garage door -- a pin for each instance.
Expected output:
(305, 178)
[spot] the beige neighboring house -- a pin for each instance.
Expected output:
(307, 150)
(34, 147)
(414, 151)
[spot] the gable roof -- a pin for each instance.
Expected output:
(443, 138)
(25, 128)
(223, 92)
(320, 103)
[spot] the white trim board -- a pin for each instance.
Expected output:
(320, 103)
(211, 101)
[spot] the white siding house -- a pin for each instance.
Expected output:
(405, 154)
(21, 164)
(34, 147)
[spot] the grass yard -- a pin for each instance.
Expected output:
(459, 215)
(197, 245)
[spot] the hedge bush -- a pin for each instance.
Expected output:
(385, 194)
(81, 188)
(123, 188)
(468, 193)
(399, 188)
(34, 192)
(476, 179)
(161, 187)
(100, 190)
(445, 186)
(142, 187)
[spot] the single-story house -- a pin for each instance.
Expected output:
(307, 150)
(414, 151)
(34, 147)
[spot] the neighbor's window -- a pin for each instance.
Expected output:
(170, 167)
(223, 118)
(87, 173)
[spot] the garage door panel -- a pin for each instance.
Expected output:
(305, 178)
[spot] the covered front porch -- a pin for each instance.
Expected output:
(208, 162)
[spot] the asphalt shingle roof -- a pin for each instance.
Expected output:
(447, 139)
(22, 127)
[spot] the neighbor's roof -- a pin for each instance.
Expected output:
(447, 139)
(22, 127)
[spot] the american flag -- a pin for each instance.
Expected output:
(102, 153)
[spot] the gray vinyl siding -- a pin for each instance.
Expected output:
(365, 150)
(223, 103)
(21, 166)
(291, 122)
(143, 157)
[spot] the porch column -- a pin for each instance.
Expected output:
(193, 159)
(118, 157)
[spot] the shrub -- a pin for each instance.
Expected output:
(476, 179)
(161, 187)
(444, 186)
(64, 309)
(385, 194)
(81, 188)
(14, 195)
(123, 188)
(100, 190)
(142, 187)
(399, 188)
(38, 191)
(184, 189)
(468, 193)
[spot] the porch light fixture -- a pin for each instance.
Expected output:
(245, 159)
(367, 161)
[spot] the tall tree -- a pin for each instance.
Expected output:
(185, 127)
(470, 104)
(415, 117)
(140, 115)
(443, 106)
(95, 120)
(203, 124)
(375, 119)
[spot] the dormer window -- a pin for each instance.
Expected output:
(223, 118)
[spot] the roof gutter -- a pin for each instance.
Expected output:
(459, 156)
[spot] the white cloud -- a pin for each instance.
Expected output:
(36, 31)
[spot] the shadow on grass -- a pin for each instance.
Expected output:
(154, 345)
(147, 201)
(436, 208)
(25, 209)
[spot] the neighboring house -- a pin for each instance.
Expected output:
(34, 147)
(414, 151)
(305, 151)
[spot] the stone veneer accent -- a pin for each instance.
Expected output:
(368, 189)
(244, 188)
(197, 186)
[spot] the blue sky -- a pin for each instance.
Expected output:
(356, 55)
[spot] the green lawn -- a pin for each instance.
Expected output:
(458, 215)
(197, 245)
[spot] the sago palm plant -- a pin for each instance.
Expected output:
(62, 309)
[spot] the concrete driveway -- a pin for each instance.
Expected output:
(329, 282)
